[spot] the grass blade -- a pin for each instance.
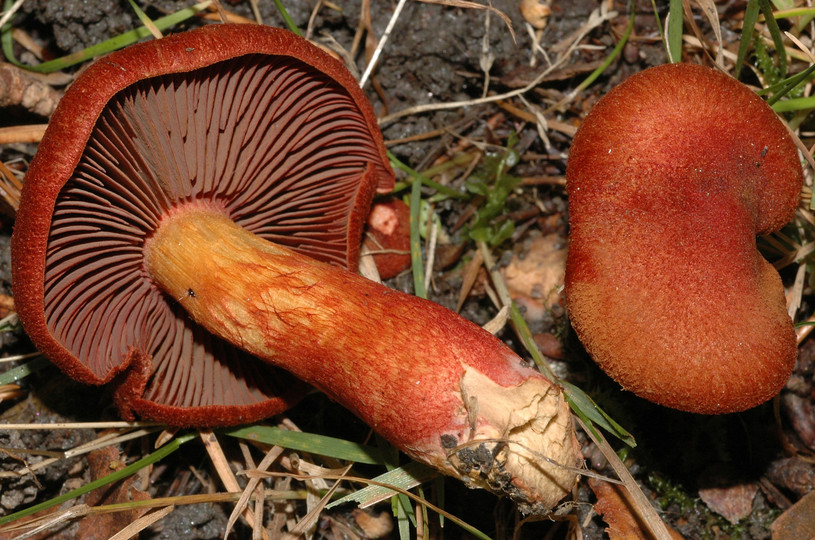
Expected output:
(417, 266)
(775, 32)
(115, 43)
(674, 31)
(20, 372)
(131, 469)
(750, 19)
(405, 477)
(309, 442)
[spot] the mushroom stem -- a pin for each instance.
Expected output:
(437, 386)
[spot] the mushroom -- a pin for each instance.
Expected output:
(670, 178)
(172, 221)
(388, 237)
(217, 117)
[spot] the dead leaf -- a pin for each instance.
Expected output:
(797, 522)
(373, 526)
(535, 280)
(793, 474)
(734, 503)
(615, 505)
(102, 526)
(70, 524)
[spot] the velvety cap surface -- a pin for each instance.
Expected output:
(670, 178)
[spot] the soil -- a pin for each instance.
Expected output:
(435, 55)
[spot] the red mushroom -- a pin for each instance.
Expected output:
(388, 237)
(670, 178)
(175, 213)
(215, 115)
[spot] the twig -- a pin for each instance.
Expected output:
(418, 109)
(22, 134)
(382, 41)
(79, 425)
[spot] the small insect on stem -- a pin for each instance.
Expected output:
(190, 294)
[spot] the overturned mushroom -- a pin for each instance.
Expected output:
(275, 134)
(670, 178)
(218, 166)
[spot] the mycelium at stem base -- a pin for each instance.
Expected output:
(435, 385)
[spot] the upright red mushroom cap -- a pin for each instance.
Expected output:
(670, 178)
(249, 120)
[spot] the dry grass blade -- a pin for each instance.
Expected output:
(562, 127)
(142, 523)
(802, 47)
(7, 15)
(256, 11)
(79, 425)
(419, 109)
(160, 503)
(382, 41)
(643, 506)
(222, 13)
(22, 134)
(221, 464)
(596, 18)
(231, 17)
(497, 323)
(10, 187)
(257, 526)
(10, 391)
(251, 486)
(364, 28)
(473, 5)
(46, 522)
(712, 15)
(17, 358)
(308, 521)
(367, 266)
(101, 442)
(367, 481)
(109, 439)
(432, 239)
(146, 21)
(795, 295)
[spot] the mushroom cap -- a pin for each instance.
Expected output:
(249, 119)
(670, 178)
(388, 237)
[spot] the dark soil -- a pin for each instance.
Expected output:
(434, 56)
